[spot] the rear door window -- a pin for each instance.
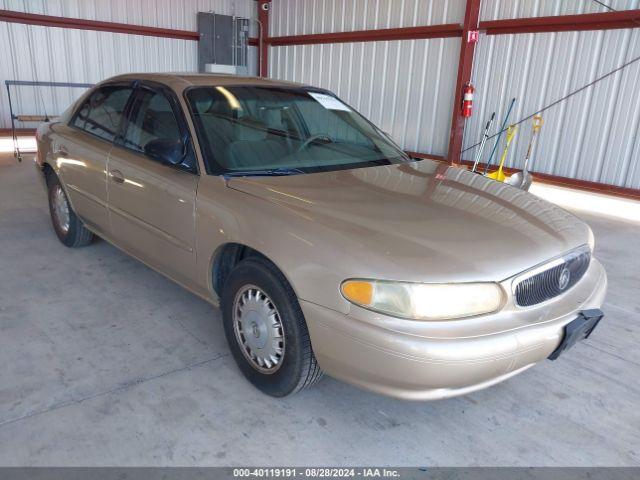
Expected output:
(102, 113)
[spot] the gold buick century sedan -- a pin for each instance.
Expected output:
(327, 248)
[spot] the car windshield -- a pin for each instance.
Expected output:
(257, 130)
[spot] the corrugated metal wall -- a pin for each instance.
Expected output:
(503, 9)
(176, 14)
(592, 136)
(298, 17)
(65, 55)
(405, 87)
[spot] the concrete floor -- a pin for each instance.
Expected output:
(105, 362)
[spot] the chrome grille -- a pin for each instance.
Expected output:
(560, 276)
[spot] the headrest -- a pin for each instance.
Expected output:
(202, 100)
(206, 102)
(272, 117)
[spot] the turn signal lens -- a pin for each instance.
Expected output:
(357, 291)
(424, 301)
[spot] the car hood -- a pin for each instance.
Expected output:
(424, 217)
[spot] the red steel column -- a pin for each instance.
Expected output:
(471, 17)
(264, 11)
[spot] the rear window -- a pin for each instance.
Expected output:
(101, 114)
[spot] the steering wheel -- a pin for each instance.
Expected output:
(312, 139)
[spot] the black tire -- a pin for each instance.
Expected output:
(298, 367)
(76, 234)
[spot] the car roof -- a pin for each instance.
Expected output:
(181, 81)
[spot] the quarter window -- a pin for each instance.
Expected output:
(102, 113)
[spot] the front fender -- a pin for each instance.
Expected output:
(298, 246)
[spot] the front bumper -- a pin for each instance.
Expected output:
(433, 360)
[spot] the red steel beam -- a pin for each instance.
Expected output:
(95, 25)
(386, 34)
(588, 21)
(465, 65)
(20, 132)
(264, 9)
(591, 21)
(564, 23)
(82, 24)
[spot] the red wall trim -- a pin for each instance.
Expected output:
(407, 33)
(588, 21)
(21, 132)
(564, 23)
(465, 65)
(82, 24)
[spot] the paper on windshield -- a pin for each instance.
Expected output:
(329, 102)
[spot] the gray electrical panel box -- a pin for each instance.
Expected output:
(223, 44)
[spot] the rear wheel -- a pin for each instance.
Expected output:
(67, 225)
(266, 329)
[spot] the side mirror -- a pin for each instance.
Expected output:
(165, 150)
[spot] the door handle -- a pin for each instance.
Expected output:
(61, 151)
(116, 176)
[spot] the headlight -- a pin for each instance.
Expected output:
(424, 301)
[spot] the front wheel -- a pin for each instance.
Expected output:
(266, 329)
(67, 225)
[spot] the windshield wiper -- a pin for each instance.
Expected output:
(273, 172)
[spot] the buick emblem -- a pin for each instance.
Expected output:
(564, 278)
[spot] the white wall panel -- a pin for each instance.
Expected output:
(68, 55)
(297, 17)
(503, 9)
(593, 135)
(405, 87)
(175, 14)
